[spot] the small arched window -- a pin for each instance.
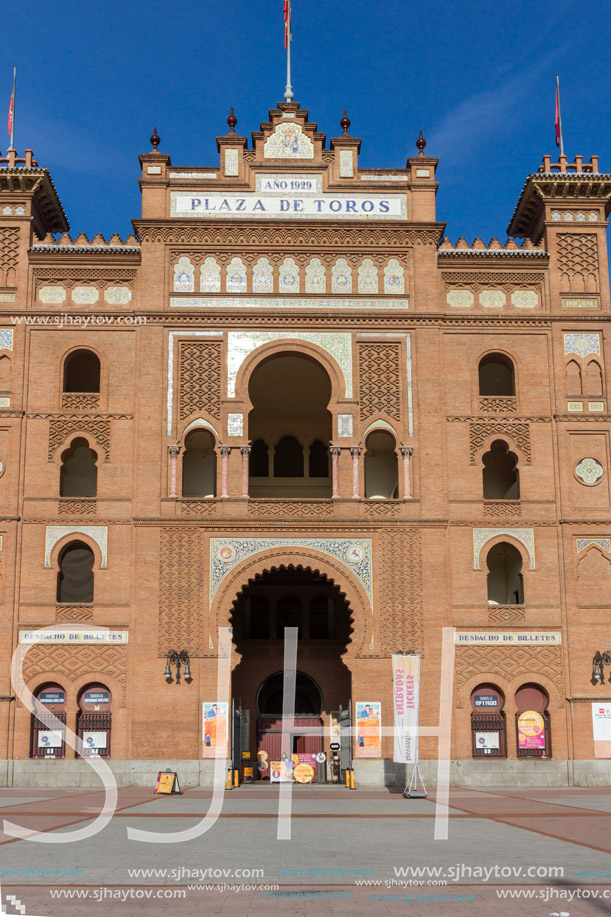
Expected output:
(259, 459)
(496, 375)
(82, 372)
(199, 465)
(319, 460)
(533, 733)
(75, 575)
(594, 379)
(573, 378)
(5, 374)
(500, 473)
(288, 614)
(505, 585)
(78, 476)
(288, 458)
(381, 466)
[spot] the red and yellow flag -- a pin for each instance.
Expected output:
(11, 114)
(287, 22)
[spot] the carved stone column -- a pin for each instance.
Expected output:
(406, 452)
(174, 452)
(245, 453)
(355, 452)
(225, 453)
(335, 451)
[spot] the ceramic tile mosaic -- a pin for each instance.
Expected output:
(460, 299)
(604, 543)
(494, 299)
(222, 302)
(172, 335)
(574, 407)
(97, 533)
(288, 276)
(368, 177)
(524, 299)
(210, 276)
(184, 276)
(288, 182)
(6, 338)
(263, 277)
(596, 406)
(7, 297)
(235, 425)
(241, 343)
(589, 470)
(381, 425)
(367, 276)
(394, 277)
(236, 276)
(341, 277)
(581, 343)
(5, 402)
(52, 295)
(117, 296)
(524, 536)
(85, 296)
(288, 142)
(346, 164)
(345, 425)
(231, 163)
(581, 302)
(353, 553)
(316, 277)
(593, 218)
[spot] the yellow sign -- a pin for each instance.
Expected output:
(303, 773)
(167, 783)
(531, 723)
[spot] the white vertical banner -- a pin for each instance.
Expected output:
(406, 697)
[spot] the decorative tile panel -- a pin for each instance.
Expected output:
(582, 344)
(288, 142)
(6, 338)
(572, 302)
(236, 276)
(394, 277)
(241, 343)
(346, 164)
(573, 407)
(341, 277)
(604, 543)
(316, 277)
(368, 277)
(596, 406)
(117, 296)
(231, 163)
(52, 295)
(7, 297)
(210, 276)
(353, 553)
(97, 533)
(184, 276)
(288, 276)
(85, 296)
(235, 425)
(263, 277)
(460, 299)
(524, 536)
(328, 304)
(589, 471)
(345, 425)
(495, 299)
(525, 299)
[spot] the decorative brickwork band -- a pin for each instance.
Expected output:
(225, 453)
(200, 378)
(245, 453)
(181, 590)
(379, 374)
(335, 451)
(355, 452)
(174, 452)
(406, 452)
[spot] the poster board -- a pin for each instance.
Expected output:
(368, 729)
(214, 729)
(601, 729)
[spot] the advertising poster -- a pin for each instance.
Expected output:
(94, 740)
(50, 739)
(368, 729)
(406, 697)
(601, 730)
(487, 740)
(531, 730)
(215, 732)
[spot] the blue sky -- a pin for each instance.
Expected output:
(477, 77)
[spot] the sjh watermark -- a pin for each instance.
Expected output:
(61, 319)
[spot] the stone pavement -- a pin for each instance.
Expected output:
(525, 852)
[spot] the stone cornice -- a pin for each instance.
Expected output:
(542, 186)
(37, 182)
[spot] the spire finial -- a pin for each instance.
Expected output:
(345, 122)
(232, 121)
(155, 140)
(421, 143)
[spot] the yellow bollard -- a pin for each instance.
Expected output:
(352, 786)
(228, 785)
(236, 778)
(347, 779)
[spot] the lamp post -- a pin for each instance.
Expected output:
(177, 658)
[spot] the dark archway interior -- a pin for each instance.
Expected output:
(308, 699)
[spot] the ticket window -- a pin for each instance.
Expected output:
(48, 740)
(488, 725)
(94, 721)
(533, 733)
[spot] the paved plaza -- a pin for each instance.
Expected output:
(536, 851)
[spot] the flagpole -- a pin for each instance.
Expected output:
(559, 115)
(12, 146)
(288, 91)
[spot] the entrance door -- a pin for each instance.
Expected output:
(305, 742)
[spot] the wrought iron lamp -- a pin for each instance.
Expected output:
(177, 658)
(599, 661)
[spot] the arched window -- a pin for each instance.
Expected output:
(381, 467)
(82, 372)
(75, 576)
(594, 379)
(199, 465)
(322, 618)
(47, 739)
(288, 458)
(533, 734)
(500, 473)
(505, 586)
(573, 378)
(5, 374)
(496, 375)
(288, 614)
(94, 720)
(259, 459)
(78, 475)
(488, 727)
(319, 460)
